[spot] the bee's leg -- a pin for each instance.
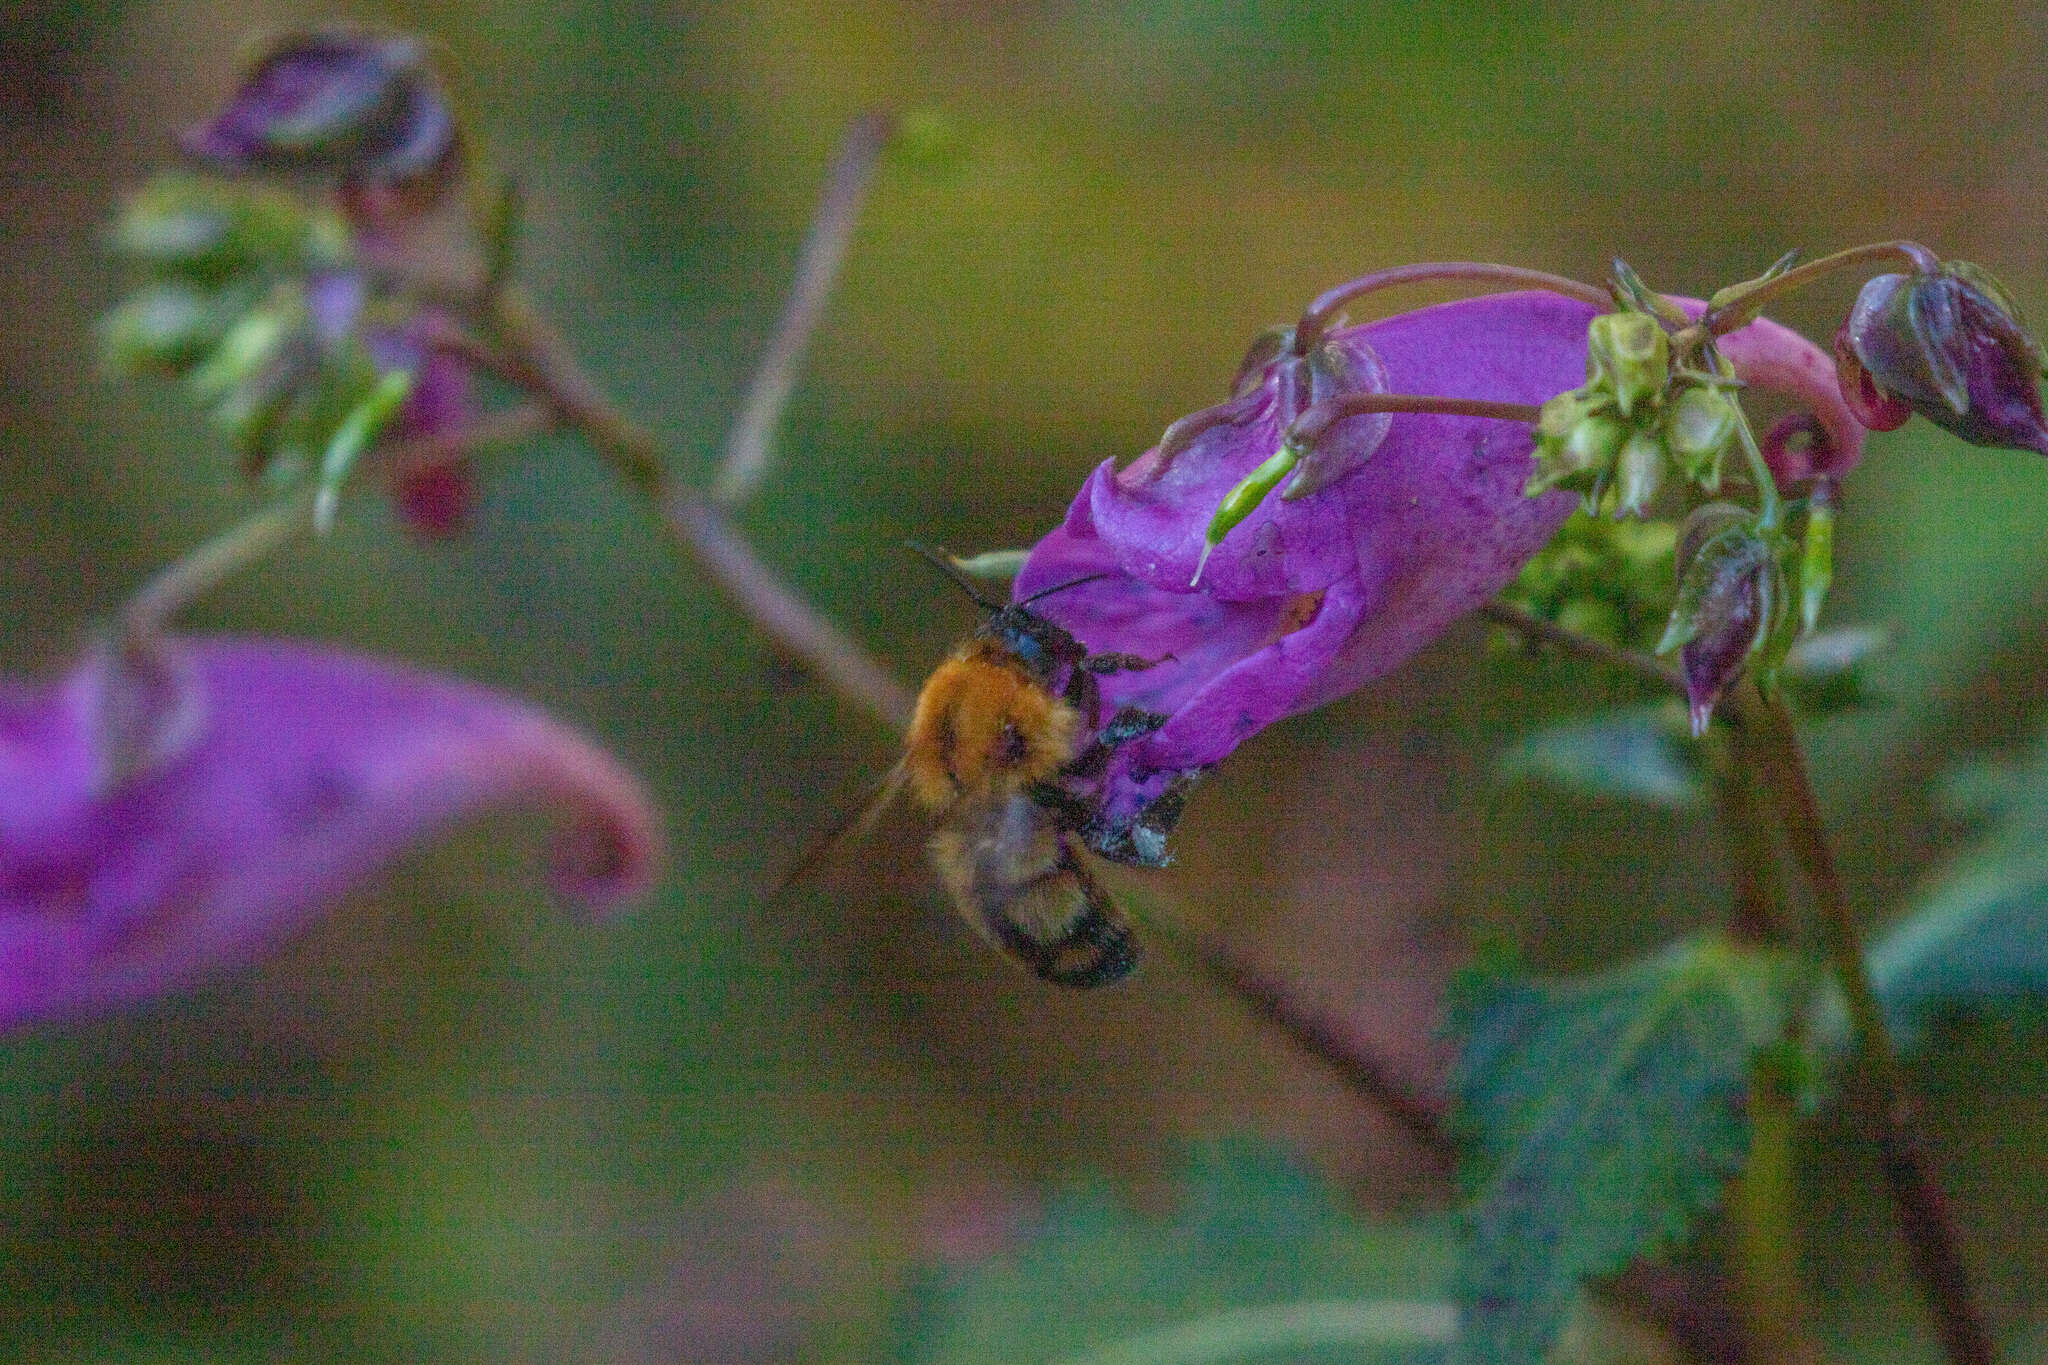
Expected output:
(1068, 811)
(1129, 723)
(1122, 663)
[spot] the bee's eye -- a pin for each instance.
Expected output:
(1011, 746)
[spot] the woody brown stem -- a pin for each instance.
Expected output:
(1922, 1211)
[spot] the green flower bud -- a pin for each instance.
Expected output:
(1582, 458)
(1630, 354)
(1698, 428)
(208, 230)
(1638, 474)
(1817, 553)
(1241, 501)
(167, 328)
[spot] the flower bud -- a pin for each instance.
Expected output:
(1731, 593)
(1697, 429)
(362, 106)
(167, 328)
(208, 230)
(1638, 474)
(1630, 354)
(1583, 456)
(1950, 346)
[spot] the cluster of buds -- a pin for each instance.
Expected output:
(1611, 439)
(258, 296)
(1606, 579)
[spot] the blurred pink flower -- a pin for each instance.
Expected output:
(1308, 599)
(161, 822)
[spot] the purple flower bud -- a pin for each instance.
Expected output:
(361, 106)
(1307, 599)
(1732, 594)
(433, 490)
(1950, 346)
(147, 842)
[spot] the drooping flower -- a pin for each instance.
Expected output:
(1949, 345)
(361, 106)
(164, 817)
(1308, 599)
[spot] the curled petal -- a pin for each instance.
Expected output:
(310, 770)
(1768, 356)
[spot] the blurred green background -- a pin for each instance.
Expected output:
(451, 1124)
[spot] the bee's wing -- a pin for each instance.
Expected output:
(850, 829)
(1023, 883)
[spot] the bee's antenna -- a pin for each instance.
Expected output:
(943, 562)
(947, 565)
(1062, 587)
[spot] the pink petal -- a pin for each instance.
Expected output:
(304, 771)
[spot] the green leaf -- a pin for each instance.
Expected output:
(1258, 1263)
(1978, 937)
(1602, 1116)
(1637, 752)
(1977, 934)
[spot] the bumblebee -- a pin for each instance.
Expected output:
(997, 727)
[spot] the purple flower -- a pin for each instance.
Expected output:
(164, 817)
(362, 106)
(1308, 599)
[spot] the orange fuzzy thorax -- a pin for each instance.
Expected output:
(985, 727)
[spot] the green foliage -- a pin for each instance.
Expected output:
(1977, 935)
(1256, 1263)
(1602, 1115)
(1640, 753)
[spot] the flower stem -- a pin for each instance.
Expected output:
(1922, 1211)
(1764, 1244)
(1260, 1333)
(1770, 507)
(1743, 308)
(1319, 316)
(146, 615)
(1311, 426)
(747, 446)
(1539, 631)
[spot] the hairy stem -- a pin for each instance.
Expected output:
(1319, 316)
(1922, 1211)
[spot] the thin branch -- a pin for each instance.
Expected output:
(782, 613)
(1923, 1214)
(1539, 631)
(1314, 423)
(747, 447)
(1323, 1038)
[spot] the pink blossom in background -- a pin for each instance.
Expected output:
(275, 779)
(1307, 600)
